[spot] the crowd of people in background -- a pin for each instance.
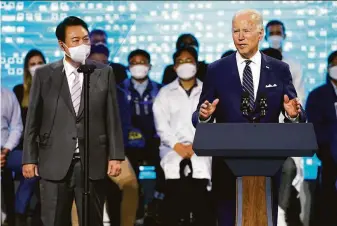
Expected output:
(157, 131)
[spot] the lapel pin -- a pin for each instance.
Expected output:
(267, 67)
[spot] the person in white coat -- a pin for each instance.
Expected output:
(292, 173)
(188, 177)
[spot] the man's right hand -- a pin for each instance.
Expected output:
(29, 170)
(185, 151)
(207, 109)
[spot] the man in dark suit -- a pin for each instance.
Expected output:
(249, 71)
(321, 108)
(53, 145)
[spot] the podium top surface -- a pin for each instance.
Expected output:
(255, 139)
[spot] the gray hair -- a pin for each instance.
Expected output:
(256, 16)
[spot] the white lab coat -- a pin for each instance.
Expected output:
(172, 111)
(297, 76)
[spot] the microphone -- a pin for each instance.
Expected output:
(86, 68)
(263, 105)
(245, 103)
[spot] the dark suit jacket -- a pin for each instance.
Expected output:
(52, 126)
(321, 112)
(223, 81)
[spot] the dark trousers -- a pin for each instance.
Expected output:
(288, 200)
(57, 198)
(7, 186)
(188, 200)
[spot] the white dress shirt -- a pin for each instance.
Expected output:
(255, 66)
(11, 122)
(70, 72)
(172, 111)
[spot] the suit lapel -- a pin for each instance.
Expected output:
(59, 79)
(265, 69)
(235, 77)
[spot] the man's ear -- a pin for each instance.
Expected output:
(284, 36)
(150, 67)
(61, 45)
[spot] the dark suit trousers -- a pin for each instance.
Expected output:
(57, 198)
(7, 185)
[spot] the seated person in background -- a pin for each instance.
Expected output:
(141, 91)
(321, 109)
(121, 208)
(98, 36)
(185, 40)
(187, 175)
(11, 131)
(227, 53)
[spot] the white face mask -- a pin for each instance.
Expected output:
(186, 71)
(79, 53)
(33, 69)
(139, 71)
(333, 72)
(275, 41)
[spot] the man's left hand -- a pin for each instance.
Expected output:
(114, 168)
(4, 153)
(292, 107)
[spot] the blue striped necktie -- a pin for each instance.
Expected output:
(247, 82)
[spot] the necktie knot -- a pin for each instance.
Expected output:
(248, 62)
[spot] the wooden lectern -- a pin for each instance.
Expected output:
(254, 152)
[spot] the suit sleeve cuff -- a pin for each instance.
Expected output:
(293, 120)
(206, 120)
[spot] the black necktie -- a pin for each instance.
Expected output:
(247, 83)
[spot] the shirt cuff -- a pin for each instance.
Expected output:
(9, 146)
(293, 120)
(204, 121)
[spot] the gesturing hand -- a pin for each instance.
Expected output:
(207, 109)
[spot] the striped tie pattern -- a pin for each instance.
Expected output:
(75, 92)
(247, 83)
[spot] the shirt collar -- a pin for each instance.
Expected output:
(138, 84)
(176, 84)
(68, 68)
(255, 59)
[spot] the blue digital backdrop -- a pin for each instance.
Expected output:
(311, 30)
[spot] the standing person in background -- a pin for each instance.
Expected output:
(98, 36)
(188, 177)
(275, 36)
(322, 112)
(141, 92)
(183, 41)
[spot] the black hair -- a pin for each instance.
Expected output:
(275, 53)
(189, 49)
(227, 53)
(67, 22)
(332, 56)
(98, 32)
(276, 22)
(139, 52)
(100, 48)
(181, 41)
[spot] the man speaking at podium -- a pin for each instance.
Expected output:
(54, 144)
(249, 73)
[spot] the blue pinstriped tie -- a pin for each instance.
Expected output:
(247, 82)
